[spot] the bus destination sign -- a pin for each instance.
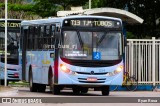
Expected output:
(91, 23)
(10, 24)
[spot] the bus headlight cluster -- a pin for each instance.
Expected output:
(118, 70)
(1, 69)
(66, 70)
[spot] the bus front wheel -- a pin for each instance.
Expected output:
(84, 90)
(41, 87)
(56, 90)
(105, 90)
(53, 88)
(76, 90)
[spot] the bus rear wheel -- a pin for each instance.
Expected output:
(41, 87)
(33, 86)
(2, 82)
(105, 90)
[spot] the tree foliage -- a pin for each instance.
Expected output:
(17, 9)
(66, 4)
(46, 8)
(146, 9)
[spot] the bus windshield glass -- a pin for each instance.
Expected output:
(12, 46)
(88, 45)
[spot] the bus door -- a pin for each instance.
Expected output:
(48, 53)
(22, 58)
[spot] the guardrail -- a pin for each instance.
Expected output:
(143, 60)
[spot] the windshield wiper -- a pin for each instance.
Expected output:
(101, 39)
(80, 39)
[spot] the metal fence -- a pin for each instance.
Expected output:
(143, 60)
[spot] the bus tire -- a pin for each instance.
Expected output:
(33, 86)
(84, 90)
(56, 90)
(105, 90)
(2, 82)
(53, 88)
(50, 81)
(76, 90)
(41, 87)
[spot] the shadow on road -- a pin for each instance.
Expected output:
(65, 93)
(70, 93)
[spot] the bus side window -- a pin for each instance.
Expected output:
(53, 29)
(40, 37)
(45, 37)
(33, 38)
(27, 45)
(49, 37)
(30, 35)
(36, 36)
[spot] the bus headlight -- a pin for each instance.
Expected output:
(66, 70)
(1, 69)
(118, 70)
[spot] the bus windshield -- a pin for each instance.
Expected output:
(88, 45)
(12, 46)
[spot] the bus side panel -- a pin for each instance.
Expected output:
(40, 62)
(47, 61)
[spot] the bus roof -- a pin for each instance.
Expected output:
(60, 19)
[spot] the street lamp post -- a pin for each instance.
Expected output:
(89, 4)
(5, 65)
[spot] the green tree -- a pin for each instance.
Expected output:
(146, 9)
(18, 9)
(66, 4)
(46, 8)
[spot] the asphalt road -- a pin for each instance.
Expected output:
(24, 92)
(92, 98)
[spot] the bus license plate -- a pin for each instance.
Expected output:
(91, 79)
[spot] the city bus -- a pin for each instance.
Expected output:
(77, 52)
(13, 33)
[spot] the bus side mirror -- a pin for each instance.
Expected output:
(51, 55)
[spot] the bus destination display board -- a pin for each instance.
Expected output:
(91, 23)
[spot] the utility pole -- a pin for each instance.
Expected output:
(90, 4)
(5, 65)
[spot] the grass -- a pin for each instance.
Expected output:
(18, 84)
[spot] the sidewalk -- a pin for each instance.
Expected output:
(7, 91)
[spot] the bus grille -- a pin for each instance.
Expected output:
(13, 76)
(11, 69)
(87, 73)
